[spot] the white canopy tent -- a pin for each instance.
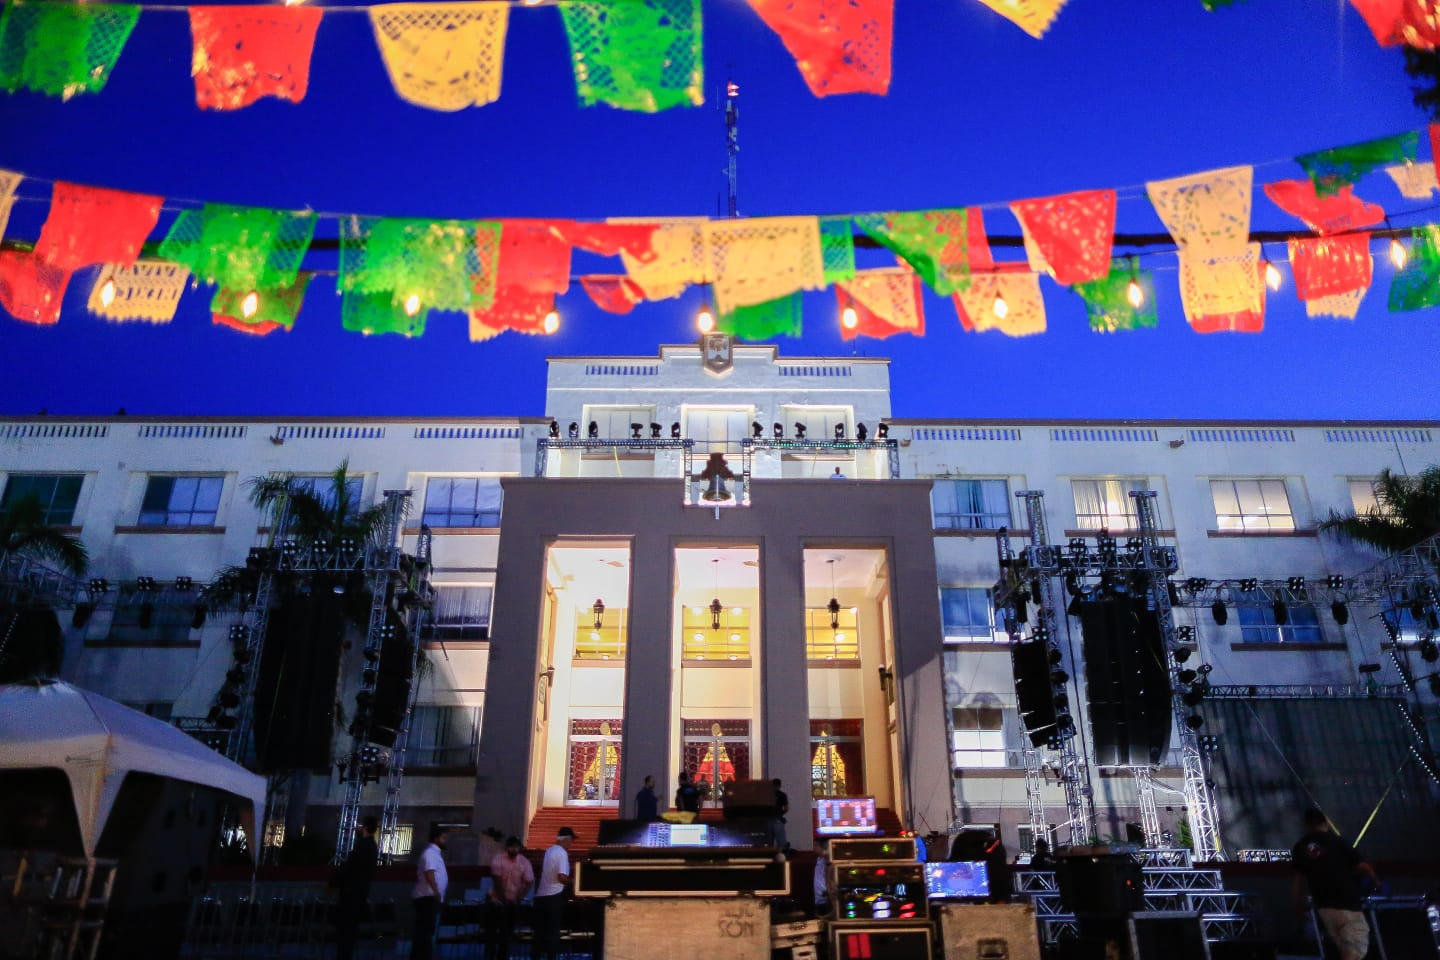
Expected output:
(96, 742)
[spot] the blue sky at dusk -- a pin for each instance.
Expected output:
(1117, 93)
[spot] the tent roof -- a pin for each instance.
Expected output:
(96, 742)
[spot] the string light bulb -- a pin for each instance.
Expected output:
(250, 305)
(1001, 308)
(107, 293)
(849, 319)
(412, 305)
(1272, 276)
(1398, 254)
(1135, 294)
(552, 321)
(705, 320)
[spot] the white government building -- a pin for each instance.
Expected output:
(540, 705)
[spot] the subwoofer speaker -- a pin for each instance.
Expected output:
(295, 689)
(1033, 689)
(1127, 681)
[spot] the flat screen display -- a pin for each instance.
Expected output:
(961, 880)
(847, 816)
(678, 835)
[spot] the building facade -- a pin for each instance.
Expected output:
(702, 565)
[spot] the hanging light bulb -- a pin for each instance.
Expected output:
(1272, 276)
(552, 321)
(1398, 254)
(412, 305)
(1001, 308)
(705, 320)
(107, 293)
(1135, 294)
(849, 319)
(250, 305)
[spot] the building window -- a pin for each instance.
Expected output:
(443, 736)
(462, 502)
(824, 642)
(1107, 504)
(968, 615)
(56, 494)
(606, 642)
(717, 429)
(141, 621)
(1363, 499)
(819, 421)
(701, 640)
(971, 504)
(322, 488)
(614, 423)
(459, 613)
(1257, 624)
(837, 758)
(1251, 505)
(977, 737)
(397, 843)
(181, 501)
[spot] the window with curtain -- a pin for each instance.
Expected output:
(462, 502)
(970, 504)
(1362, 497)
(977, 737)
(819, 421)
(460, 612)
(1251, 505)
(968, 615)
(181, 501)
(717, 429)
(1258, 624)
(1106, 504)
(322, 488)
(613, 422)
(57, 495)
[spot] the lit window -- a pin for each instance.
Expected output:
(1251, 505)
(56, 495)
(823, 642)
(971, 504)
(604, 643)
(462, 502)
(460, 612)
(968, 615)
(977, 737)
(1363, 499)
(181, 501)
(398, 843)
(1107, 504)
(1257, 624)
(701, 641)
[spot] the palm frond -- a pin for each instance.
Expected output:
(23, 530)
(1407, 511)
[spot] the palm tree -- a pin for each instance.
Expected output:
(32, 645)
(1406, 511)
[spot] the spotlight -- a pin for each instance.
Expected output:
(1209, 743)
(1196, 584)
(1192, 697)
(99, 586)
(1194, 721)
(1335, 582)
(574, 430)
(184, 584)
(635, 429)
(1062, 701)
(778, 430)
(1185, 634)
(883, 431)
(757, 429)
(554, 430)
(1219, 613)
(861, 432)
(1186, 676)
(145, 584)
(839, 431)
(1059, 677)
(675, 430)
(1340, 612)
(799, 431)
(1053, 656)
(1429, 651)
(593, 431)
(1248, 585)
(1282, 613)
(655, 429)
(1182, 654)
(1296, 584)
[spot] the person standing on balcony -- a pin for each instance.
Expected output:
(550, 895)
(431, 881)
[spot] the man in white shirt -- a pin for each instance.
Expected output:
(430, 883)
(550, 894)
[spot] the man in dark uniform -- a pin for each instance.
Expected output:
(1332, 868)
(352, 882)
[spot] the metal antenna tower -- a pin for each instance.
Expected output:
(1199, 798)
(732, 146)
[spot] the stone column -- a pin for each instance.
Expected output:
(785, 722)
(649, 669)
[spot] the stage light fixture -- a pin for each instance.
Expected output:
(799, 431)
(655, 429)
(1297, 584)
(1194, 721)
(861, 432)
(1209, 743)
(1185, 634)
(145, 584)
(635, 429)
(757, 430)
(675, 430)
(184, 584)
(1429, 652)
(1248, 585)
(840, 431)
(1218, 613)
(1182, 654)
(1196, 584)
(1335, 582)
(554, 430)
(99, 585)
(1186, 676)
(1282, 613)
(1059, 677)
(593, 431)
(1340, 612)
(574, 430)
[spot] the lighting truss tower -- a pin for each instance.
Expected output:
(1149, 812)
(1157, 563)
(1074, 771)
(254, 638)
(382, 566)
(1034, 787)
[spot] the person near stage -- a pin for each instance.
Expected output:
(647, 805)
(1332, 869)
(431, 881)
(512, 878)
(777, 823)
(352, 888)
(687, 795)
(1041, 858)
(997, 868)
(822, 878)
(550, 894)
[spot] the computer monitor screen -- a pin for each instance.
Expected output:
(845, 816)
(961, 880)
(679, 835)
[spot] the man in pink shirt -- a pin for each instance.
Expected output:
(512, 877)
